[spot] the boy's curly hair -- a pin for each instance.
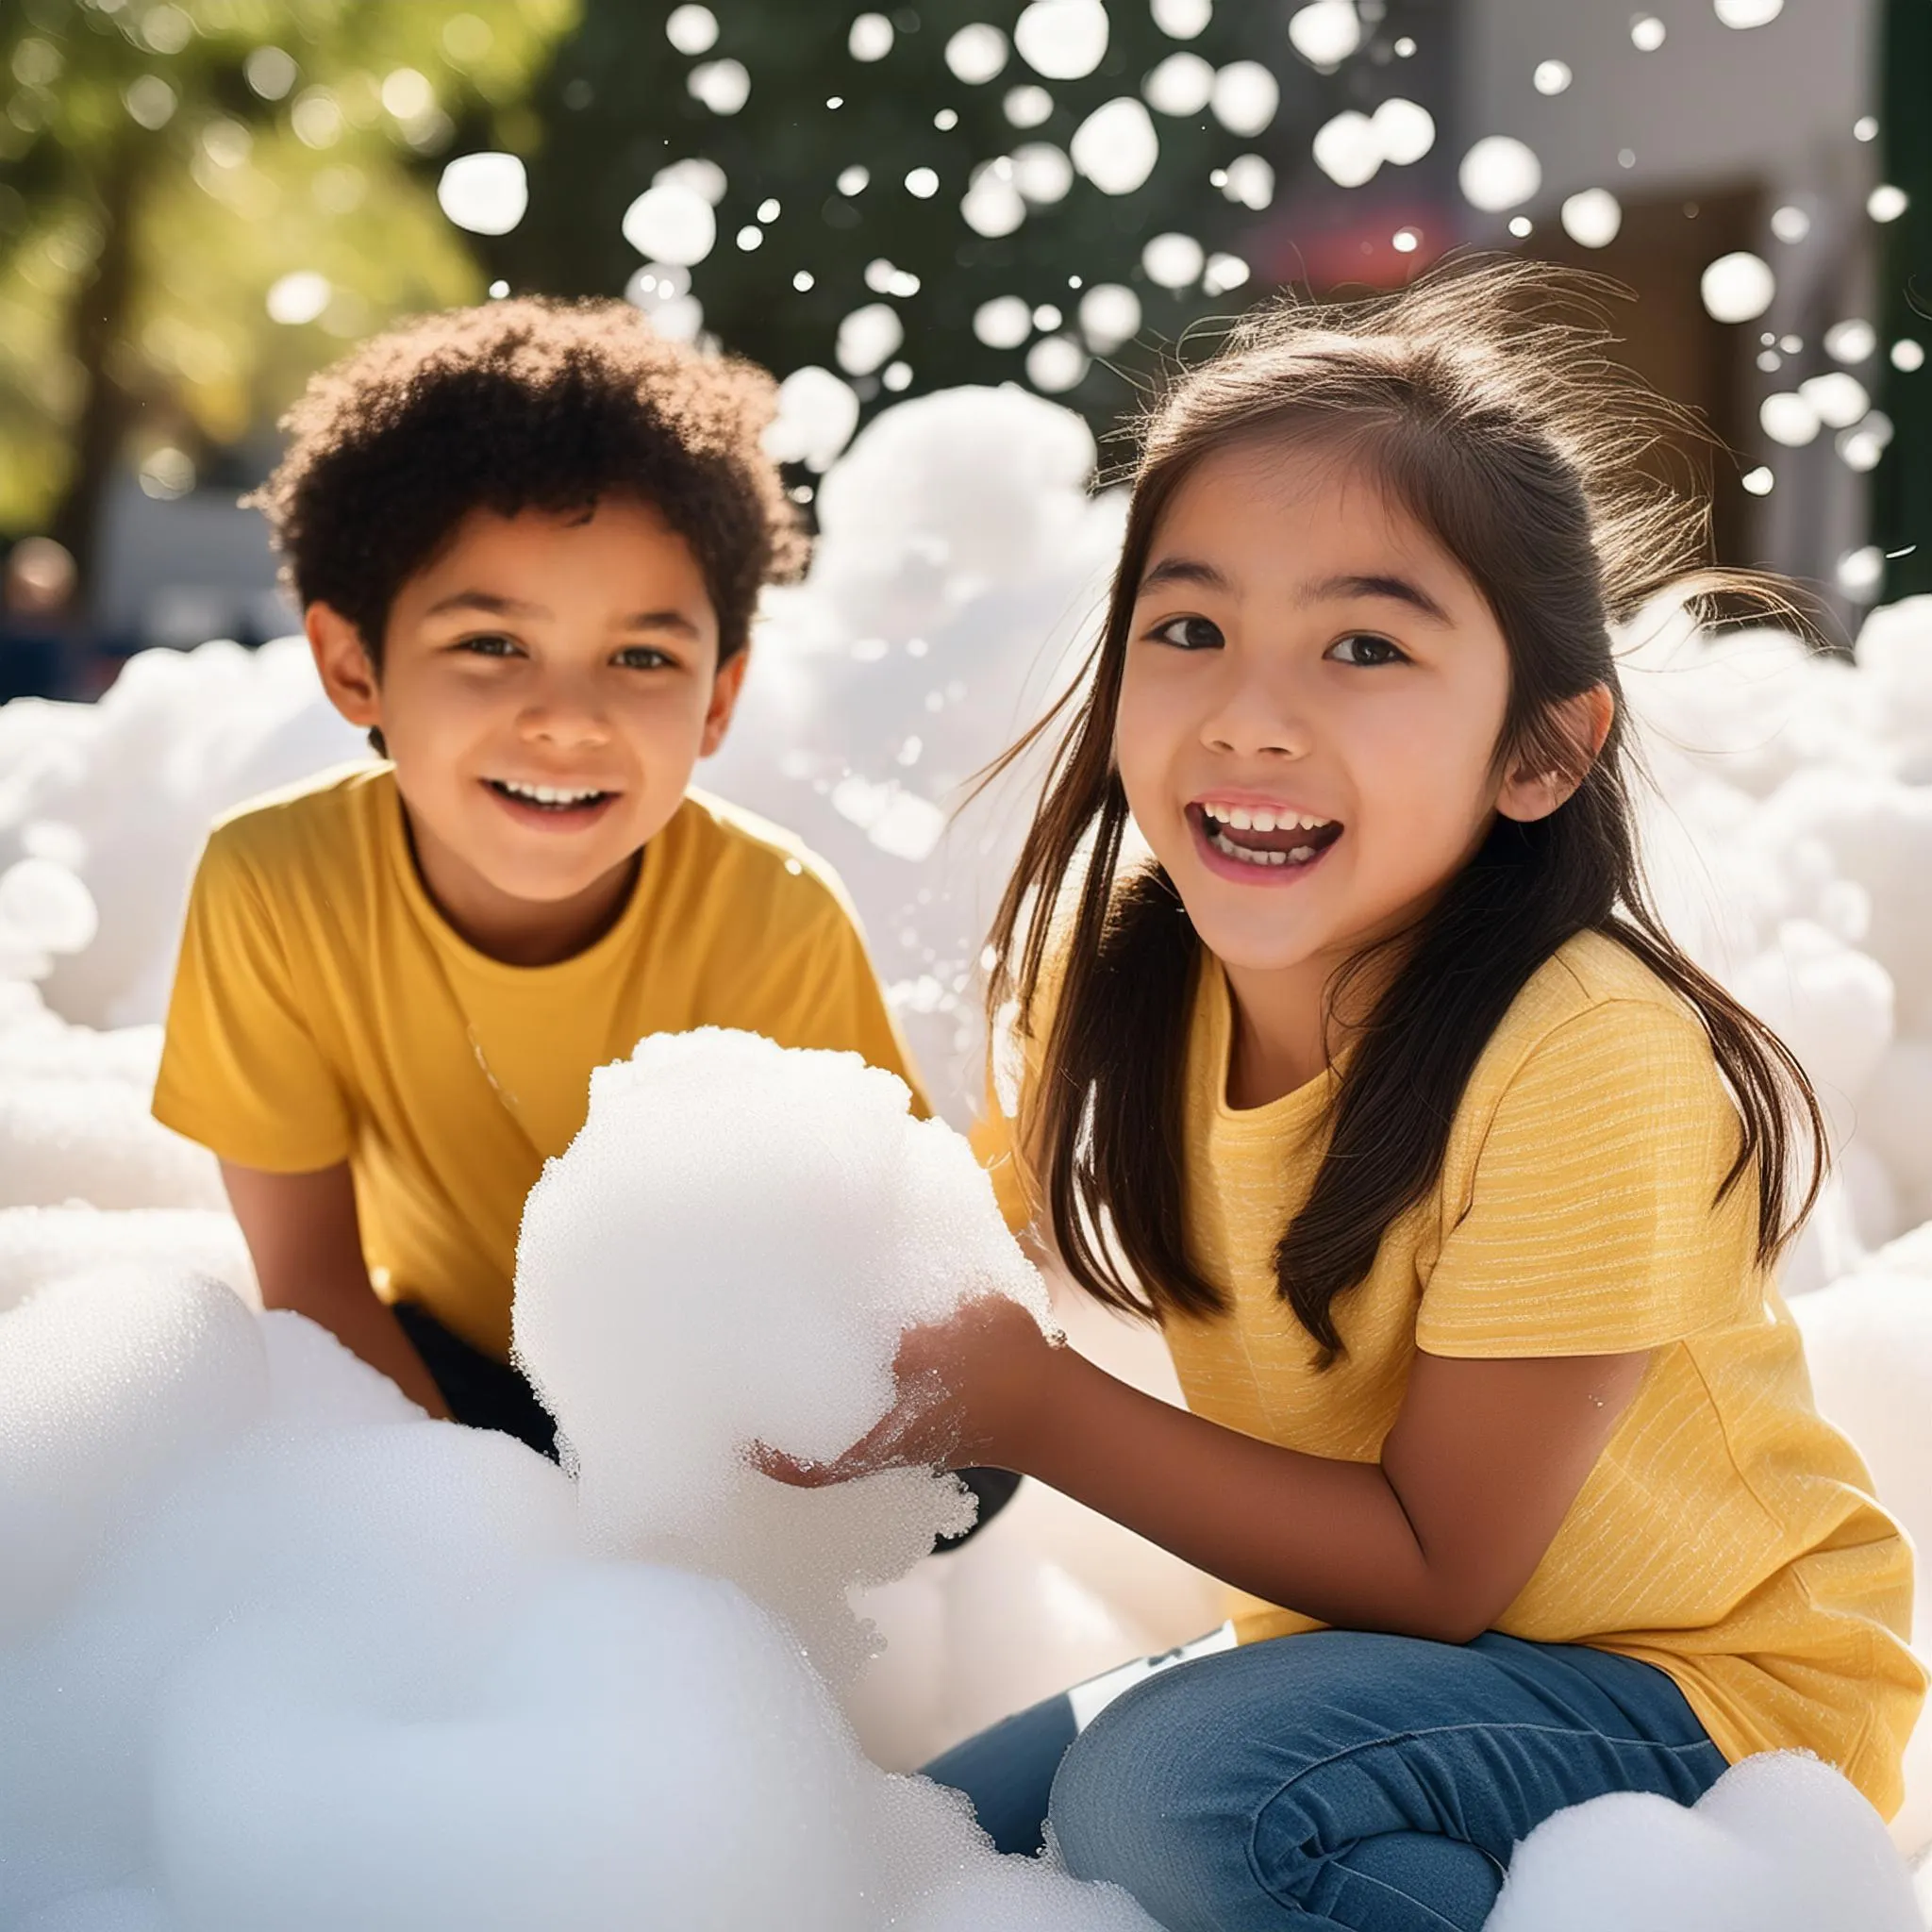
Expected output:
(530, 404)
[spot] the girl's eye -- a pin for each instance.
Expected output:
(1364, 647)
(643, 658)
(491, 644)
(1189, 634)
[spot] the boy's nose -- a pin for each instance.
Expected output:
(564, 716)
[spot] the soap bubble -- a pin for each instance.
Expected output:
(1110, 315)
(1499, 172)
(1592, 218)
(299, 298)
(1747, 14)
(1348, 149)
(816, 414)
(485, 193)
(1250, 181)
(923, 183)
(1851, 340)
(691, 30)
(870, 38)
(1908, 356)
(1791, 225)
(977, 54)
(1003, 323)
(1173, 261)
(1861, 572)
(1063, 39)
(1182, 20)
(672, 222)
(1245, 97)
(1886, 202)
(703, 176)
(868, 338)
(992, 205)
(1758, 482)
(1223, 272)
(723, 86)
(1027, 107)
(1552, 77)
(1406, 129)
(1863, 445)
(1182, 83)
(1116, 146)
(1647, 33)
(1056, 364)
(1325, 33)
(1787, 418)
(1042, 173)
(1738, 287)
(1839, 397)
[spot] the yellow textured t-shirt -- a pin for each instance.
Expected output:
(1727, 1534)
(324, 1010)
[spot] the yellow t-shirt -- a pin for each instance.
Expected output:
(324, 1010)
(1727, 1534)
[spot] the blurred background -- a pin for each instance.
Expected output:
(202, 201)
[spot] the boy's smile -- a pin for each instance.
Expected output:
(547, 684)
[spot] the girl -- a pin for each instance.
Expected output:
(1453, 1186)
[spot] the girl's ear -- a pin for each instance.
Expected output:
(1534, 787)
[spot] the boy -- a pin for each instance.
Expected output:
(526, 540)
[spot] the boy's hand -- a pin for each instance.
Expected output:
(970, 1392)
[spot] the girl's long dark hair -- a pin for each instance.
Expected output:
(1485, 401)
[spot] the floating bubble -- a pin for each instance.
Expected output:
(1173, 261)
(1223, 272)
(45, 907)
(1003, 323)
(870, 38)
(723, 86)
(1064, 40)
(868, 338)
(1592, 218)
(1182, 20)
(1182, 83)
(1250, 181)
(1747, 14)
(1838, 396)
(1791, 224)
(672, 222)
(1247, 96)
(1886, 202)
(1861, 572)
(1865, 127)
(1056, 364)
(1027, 107)
(1405, 240)
(1785, 417)
(1907, 355)
(1552, 77)
(977, 54)
(150, 103)
(1758, 482)
(1406, 129)
(691, 30)
(1348, 149)
(407, 95)
(1865, 443)
(270, 71)
(1042, 173)
(485, 193)
(1499, 172)
(1851, 340)
(1738, 287)
(1325, 33)
(1116, 146)
(750, 237)
(1110, 315)
(679, 319)
(854, 180)
(706, 177)
(816, 414)
(923, 183)
(898, 376)
(299, 298)
(1646, 33)
(992, 206)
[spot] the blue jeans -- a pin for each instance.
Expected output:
(1337, 1781)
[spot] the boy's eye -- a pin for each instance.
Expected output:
(644, 658)
(1189, 634)
(490, 645)
(1364, 647)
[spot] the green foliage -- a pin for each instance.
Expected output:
(165, 164)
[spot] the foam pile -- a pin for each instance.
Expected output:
(276, 1650)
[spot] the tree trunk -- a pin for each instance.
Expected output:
(96, 326)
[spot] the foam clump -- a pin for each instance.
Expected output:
(727, 1255)
(1780, 1844)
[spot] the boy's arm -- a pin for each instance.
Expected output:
(302, 1232)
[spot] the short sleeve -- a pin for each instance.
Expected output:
(241, 1070)
(1591, 1223)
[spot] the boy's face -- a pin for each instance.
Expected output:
(547, 684)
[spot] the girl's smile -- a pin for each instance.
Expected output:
(1260, 843)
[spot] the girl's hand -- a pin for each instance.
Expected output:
(970, 1390)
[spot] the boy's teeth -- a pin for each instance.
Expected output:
(546, 794)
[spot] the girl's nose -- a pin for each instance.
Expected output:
(1255, 718)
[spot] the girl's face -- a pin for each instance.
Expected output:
(1309, 708)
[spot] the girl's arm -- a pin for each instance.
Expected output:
(307, 1246)
(1435, 1541)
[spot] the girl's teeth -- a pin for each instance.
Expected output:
(1249, 854)
(1264, 820)
(1241, 820)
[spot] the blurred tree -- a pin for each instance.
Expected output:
(914, 161)
(201, 200)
